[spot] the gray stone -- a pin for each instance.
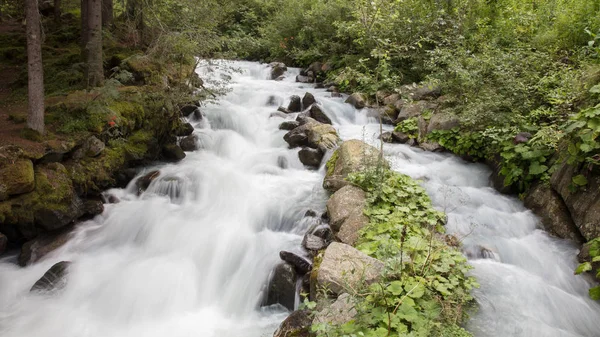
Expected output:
(189, 143)
(295, 104)
(277, 70)
(274, 101)
(289, 125)
(344, 267)
(301, 264)
(313, 242)
(357, 100)
(282, 286)
(317, 113)
(308, 100)
(284, 110)
(400, 137)
(391, 99)
(414, 109)
(522, 137)
(304, 79)
(297, 324)
(427, 91)
(54, 279)
(310, 157)
(339, 312)
(347, 200)
(553, 213)
(352, 156)
(441, 121)
(431, 147)
(386, 137)
(350, 228)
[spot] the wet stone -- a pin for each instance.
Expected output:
(301, 264)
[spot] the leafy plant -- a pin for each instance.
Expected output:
(594, 247)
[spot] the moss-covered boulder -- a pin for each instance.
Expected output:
(16, 178)
(352, 156)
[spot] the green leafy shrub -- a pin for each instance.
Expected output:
(594, 247)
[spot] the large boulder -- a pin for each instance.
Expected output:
(339, 312)
(317, 114)
(297, 324)
(352, 156)
(312, 134)
(415, 109)
(391, 99)
(295, 104)
(427, 91)
(282, 286)
(310, 157)
(357, 100)
(308, 100)
(553, 213)
(16, 178)
(347, 200)
(583, 202)
(277, 69)
(344, 267)
(54, 279)
(440, 121)
(32, 251)
(92, 147)
(350, 228)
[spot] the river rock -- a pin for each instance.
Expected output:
(553, 213)
(308, 100)
(431, 147)
(310, 157)
(297, 324)
(317, 113)
(324, 232)
(16, 178)
(345, 266)
(386, 137)
(312, 134)
(345, 201)
(3, 243)
(284, 110)
(301, 264)
(350, 228)
(583, 202)
(391, 99)
(313, 243)
(184, 129)
(172, 152)
(441, 122)
(277, 69)
(274, 101)
(522, 137)
(352, 156)
(386, 115)
(189, 143)
(357, 100)
(289, 125)
(295, 104)
(32, 251)
(400, 137)
(427, 91)
(414, 109)
(305, 79)
(54, 279)
(282, 286)
(144, 182)
(339, 312)
(187, 110)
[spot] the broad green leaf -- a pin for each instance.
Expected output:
(395, 288)
(596, 259)
(583, 267)
(580, 180)
(535, 168)
(595, 293)
(595, 89)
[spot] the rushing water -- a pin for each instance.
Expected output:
(190, 256)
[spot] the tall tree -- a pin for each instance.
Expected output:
(94, 70)
(57, 11)
(35, 70)
(107, 13)
(84, 29)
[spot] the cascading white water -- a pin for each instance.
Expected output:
(191, 255)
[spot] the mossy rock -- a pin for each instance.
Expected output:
(352, 156)
(16, 178)
(144, 69)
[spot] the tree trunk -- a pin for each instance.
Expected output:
(95, 71)
(107, 13)
(84, 29)
(35, 70)
(57, 11)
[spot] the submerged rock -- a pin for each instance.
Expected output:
(282, 286)
(54, 279)
(144, 182)
(32, 251)
(301, 264)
